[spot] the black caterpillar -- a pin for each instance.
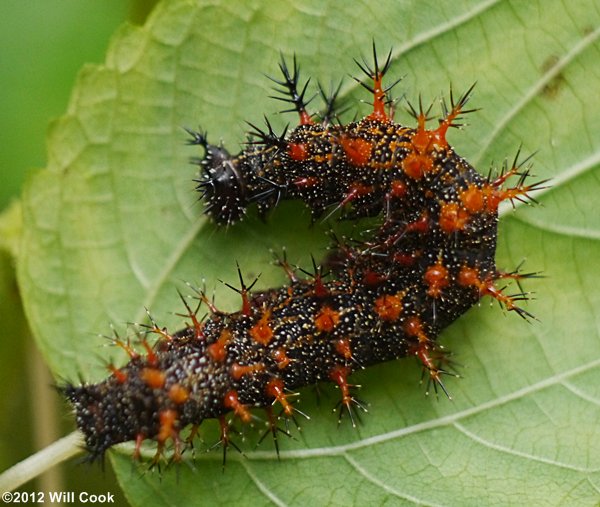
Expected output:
(429, 259)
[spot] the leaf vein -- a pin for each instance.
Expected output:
(261, 485)
(365, 473)
(535, 90)
(434, 32)
(520, 454)
(168, 267)
(578, 392)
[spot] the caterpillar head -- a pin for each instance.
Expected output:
(221, 183)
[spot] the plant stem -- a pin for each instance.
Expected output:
(43, 460)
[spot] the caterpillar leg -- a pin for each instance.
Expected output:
(225, 440)
(431, 356)
(348, 403)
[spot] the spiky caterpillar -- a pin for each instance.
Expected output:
(428, 261)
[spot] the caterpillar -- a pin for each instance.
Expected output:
(385, 296)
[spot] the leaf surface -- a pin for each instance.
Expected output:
(112, 226)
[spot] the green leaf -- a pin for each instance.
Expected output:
(112, 226)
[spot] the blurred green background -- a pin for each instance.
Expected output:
(43, 44)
